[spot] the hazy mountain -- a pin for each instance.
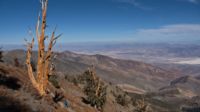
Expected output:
(113, 70)
(186, 86)
(163, 89)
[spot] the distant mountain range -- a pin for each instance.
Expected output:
(113, 70)
(164, 87)
(147, 49)
(184, 58)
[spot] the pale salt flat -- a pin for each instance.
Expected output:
(194, 61)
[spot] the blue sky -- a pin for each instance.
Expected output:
(104, 20)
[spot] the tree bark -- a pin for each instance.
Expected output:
(41, 80)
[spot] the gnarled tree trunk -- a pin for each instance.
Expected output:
(40, 81)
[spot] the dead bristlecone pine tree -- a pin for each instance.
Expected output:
(40, 80)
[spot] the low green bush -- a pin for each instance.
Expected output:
(94, 89)
(54, 82)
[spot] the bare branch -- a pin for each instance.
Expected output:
(30, 33)
(37, 27)
(29, 66)
(58, 36)
(54, 40)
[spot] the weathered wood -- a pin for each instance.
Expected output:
(43, 62)
(29, 66)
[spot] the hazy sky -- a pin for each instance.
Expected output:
(104, 20)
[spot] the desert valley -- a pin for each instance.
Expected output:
(96, 66)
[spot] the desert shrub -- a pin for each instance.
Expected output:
(16, 62)
(135, 98)
(1, 55)
(9, 82)
(122, 100)
(58, 97)
(54, 82)
(141, 106)
(190, 109)
(94, 89)
(10, 104)
(68, 78)
(73, 79)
